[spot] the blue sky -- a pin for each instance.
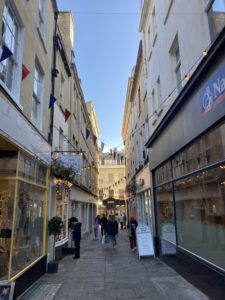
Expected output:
(106, 42)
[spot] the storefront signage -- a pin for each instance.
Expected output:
(15, 127)
(144, 241)
(168, 241)
(7, 290)
(71, 161)
(214, 91)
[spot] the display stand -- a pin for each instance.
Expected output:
(144, 241)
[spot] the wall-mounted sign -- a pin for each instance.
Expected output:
(213, 91)
(144, 241)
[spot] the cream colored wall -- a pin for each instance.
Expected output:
(104, 171)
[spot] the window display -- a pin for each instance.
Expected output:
(200, 211)
(62, 211)
(29, 223)
(6, 210)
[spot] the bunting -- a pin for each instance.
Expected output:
(67, 114)
(25, 72)
(51, 101)
(6, 53)
(87, 133)
(102, 146)
(94, 139)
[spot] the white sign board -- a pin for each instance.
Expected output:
(168, 234)
(144, 241)
(71, 161)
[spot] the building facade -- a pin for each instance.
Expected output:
(43, 125)
(25, 86)
(112, 198)
(185, 86)
(135, 133)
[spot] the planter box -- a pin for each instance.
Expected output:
(52, 267)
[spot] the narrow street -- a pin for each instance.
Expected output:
(106, 273)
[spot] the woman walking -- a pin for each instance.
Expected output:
(96, 226)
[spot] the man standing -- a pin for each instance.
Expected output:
(132, 225)
(103, 222)
(77, 237)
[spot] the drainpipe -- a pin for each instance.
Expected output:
(54, 74)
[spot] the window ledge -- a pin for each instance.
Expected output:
(42, 39)
(12, 96)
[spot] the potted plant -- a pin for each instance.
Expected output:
(55, 226)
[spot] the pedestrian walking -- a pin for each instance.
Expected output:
(76, 237)
(124, 221)
(121, 222)
(132, 225)
(96, 226)
(103, 222)
(111, 231)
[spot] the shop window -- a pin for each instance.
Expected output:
(62, 211)
(200, 214)
(164, 173)
(8, 162)
(6, 220)
(208, 149)
(41, 174)
(29, 226)
(10, 68)
(165, 218)
(26, 167)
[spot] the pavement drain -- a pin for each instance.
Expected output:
(41, 291)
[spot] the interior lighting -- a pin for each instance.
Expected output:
(204, 53)
(222, 167)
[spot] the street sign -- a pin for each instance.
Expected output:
(144, 241)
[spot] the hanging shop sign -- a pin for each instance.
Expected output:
(144, 241)
(73, 162)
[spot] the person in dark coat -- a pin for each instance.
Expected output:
(132, 225)
(77, 237)
(103, 222)
(111, 230)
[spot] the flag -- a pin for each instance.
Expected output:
(51, 101)
(102, 146)
(94, 139)
(67, 114)
(25, 72)
(87, 133)
(6, 53)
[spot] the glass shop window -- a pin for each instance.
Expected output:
(26, 167)
(200, 214)
(29, 226)
(62, 211)
(165, 219)
(7, 189)
(41, 175)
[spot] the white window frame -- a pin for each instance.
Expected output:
(17, 50)
(39, 96)
(41, 17)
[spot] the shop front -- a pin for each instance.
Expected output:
(188, 168)
(25, 157)
(23, 208)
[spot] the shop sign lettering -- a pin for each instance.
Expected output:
(213, 92)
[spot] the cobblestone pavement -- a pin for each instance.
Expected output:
(105, 273)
